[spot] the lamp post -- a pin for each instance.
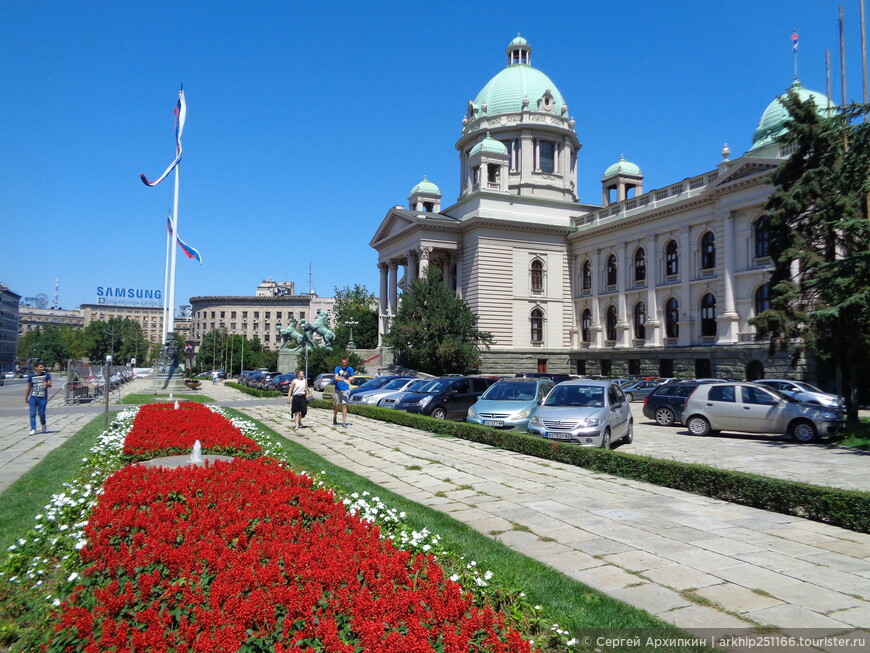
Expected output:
(350, 324)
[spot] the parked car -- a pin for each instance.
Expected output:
(372, 396)
(753, 408)
(358, 380)
(322, 381)
(509, 403)
(639, 389)
(555, 378)
(801, 391)
(665, 403)
(590, 413)
(281, 383)
(375, 383)
(445, 397)
(390, 400)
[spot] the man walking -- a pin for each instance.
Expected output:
(36, 394)
(343, 378)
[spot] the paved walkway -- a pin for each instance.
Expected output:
(693, 561)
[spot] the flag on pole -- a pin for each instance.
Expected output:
(180, 116)
(189, 251)
(794, 40)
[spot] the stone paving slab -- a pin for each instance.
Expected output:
(640, 543)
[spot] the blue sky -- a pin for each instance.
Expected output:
(307, 121)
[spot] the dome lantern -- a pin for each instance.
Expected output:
(519, 52)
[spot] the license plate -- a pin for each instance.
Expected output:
(555, 435)
(493, 422)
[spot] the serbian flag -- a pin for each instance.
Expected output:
(189, 251)
(794, 40)
(180, 116)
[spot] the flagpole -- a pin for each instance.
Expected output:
(166, 285)
(171, 315)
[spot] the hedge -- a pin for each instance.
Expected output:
(848, 509)
(265, 394)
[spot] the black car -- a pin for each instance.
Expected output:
(281, 383)
(445, 397)
(665, 403)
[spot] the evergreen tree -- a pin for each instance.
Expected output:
(434, 331)
(820, 243)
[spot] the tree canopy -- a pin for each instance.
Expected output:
(820, 242)
(355, 304)
(435, 331)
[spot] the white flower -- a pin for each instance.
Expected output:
(72, 577)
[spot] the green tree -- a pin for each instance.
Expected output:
(47, 343)
(434, 330)
(820, 242)
(120, 338)
(322, 360)
(355, 304)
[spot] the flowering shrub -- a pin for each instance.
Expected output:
(248, 553)
(164, 430)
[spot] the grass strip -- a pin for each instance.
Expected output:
(572, 604)
(264, 394)
(145, 398)
(27, 496)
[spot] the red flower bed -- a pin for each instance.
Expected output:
(162, 430)
(249, 554)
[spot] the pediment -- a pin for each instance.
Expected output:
(395, 222)
(744, 169)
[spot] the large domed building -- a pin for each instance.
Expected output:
(657, 282)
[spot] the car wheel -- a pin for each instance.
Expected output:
(629, 397)
(697, 425)
(439, 413)
(664, 417)
(628, 438)
(803, 431)
(605, 441)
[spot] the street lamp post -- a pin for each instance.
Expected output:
(350, 324)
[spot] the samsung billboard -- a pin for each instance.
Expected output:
(129, 296)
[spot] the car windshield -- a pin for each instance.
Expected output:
(416, 385)
(510, 391)
(576, 395)
(435, 386)
(395, 384)
(806, 387)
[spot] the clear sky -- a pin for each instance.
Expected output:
(307, 121)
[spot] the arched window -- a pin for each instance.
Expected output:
(536, 323)
(587, 275)
(640, 321)
(640, 265)
(708, 251)
(762, 237)
(672, 318)
(537, 275)
(672, 258)
(611, 323)
(586, 326)
(611, 270)
(762, 298)
(708, 315)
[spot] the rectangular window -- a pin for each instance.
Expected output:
(278, 315)
(233, 315)
(605, 367)
(256, 315)
(223, 315)
(302, 315)
(546, 156)
(268, 315)
(244, 315)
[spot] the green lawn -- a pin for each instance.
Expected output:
(855, 437)
(145, 398)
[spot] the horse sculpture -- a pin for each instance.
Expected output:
(319, 325)
(301, 339)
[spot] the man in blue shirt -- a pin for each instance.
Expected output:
(343, 377)
(36, 394)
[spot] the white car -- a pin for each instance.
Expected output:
(809, 394)
(372, 397)
(390, 400)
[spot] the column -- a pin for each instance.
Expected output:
(383, 302)
(595, 335)
(623, 335)
(653, 332)
(410, 267)
(393, 292)
(459, 276)
(727, 321)
(423, 252)
(687, 309)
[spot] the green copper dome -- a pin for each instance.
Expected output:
(623, 167)
(489, 144)
(426, 187)
(773, 120)
(505, 92)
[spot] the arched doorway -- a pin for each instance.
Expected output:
(754, 370)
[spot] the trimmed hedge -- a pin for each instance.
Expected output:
(844, 508)
(265, 394)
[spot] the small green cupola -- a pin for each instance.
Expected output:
(620, 180)
(425, 197)
(519, 52)
(487, 166)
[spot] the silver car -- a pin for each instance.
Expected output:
(801, 391)
(508, 403)
(389, 400)
(753, 408)
(372, 397)
(590, 413)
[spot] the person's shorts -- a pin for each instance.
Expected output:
(339, 397)
(299, 405)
